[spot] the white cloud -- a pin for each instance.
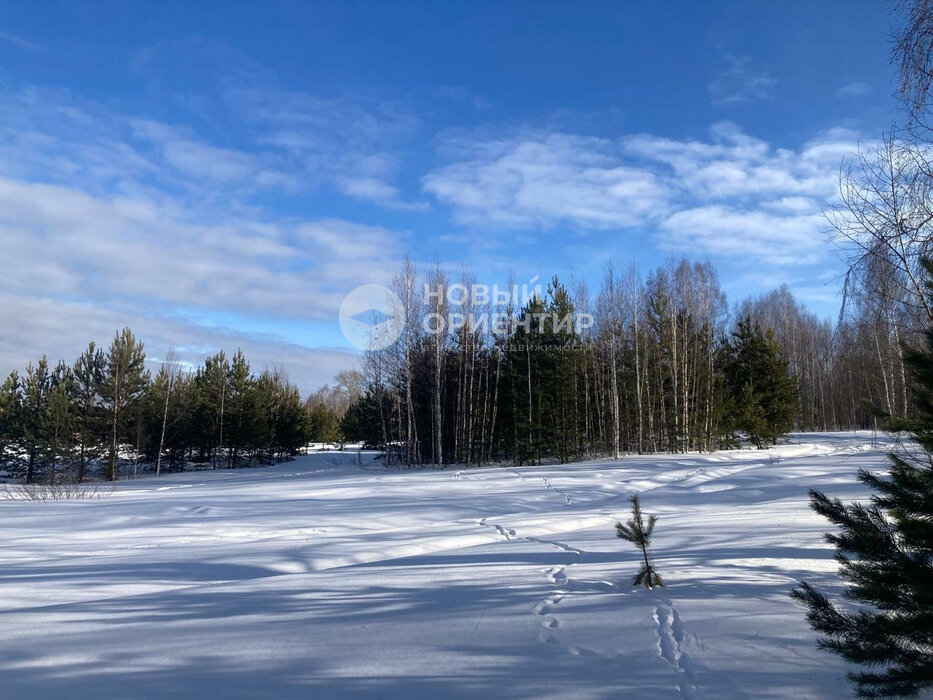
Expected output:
(196, 160)
(61, 330)
(763, 237)
(855, 89)
(115, 247)
(541, 180)
(741, 82)
(126, 219)
(121, 220)
(117, 218)
(734, 164)
(132, 261)
(288, 141)
(728, 195)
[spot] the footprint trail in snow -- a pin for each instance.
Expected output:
(670, 648)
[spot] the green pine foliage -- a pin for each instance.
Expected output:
(885, 552)
(125, 380)
(543, 358)
(638, 531)
(35, 417)
(363, 420)
(88, 378)
(324, 424)
(62, 418)
(242, 408)
(11, 415)
(761, 394)
(81, 421)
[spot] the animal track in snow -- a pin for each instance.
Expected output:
(670, 648)
(504, 533)
(567, 497)
(558, 577)
(559, 545)
(547, 485)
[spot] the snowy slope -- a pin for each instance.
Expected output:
(320, 578)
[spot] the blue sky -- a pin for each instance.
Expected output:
(223, 173)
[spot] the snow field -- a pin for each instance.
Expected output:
(321, 578)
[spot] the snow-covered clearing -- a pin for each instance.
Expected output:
(320, 578)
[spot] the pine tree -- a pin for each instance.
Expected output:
(324, 424)
(885, 551)
(240, 407)
(638, 532)
(125, 380)
(11, 416)
(88, 377)
(62, 415)
(292, 425)
(212, 384)
(35, 424)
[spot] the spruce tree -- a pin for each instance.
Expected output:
(778, 388)
(761, 393)
(560, 339)
(638, 532)
(885, 551)
(361, 421)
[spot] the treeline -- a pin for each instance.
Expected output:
(661, 365)
(84, 420)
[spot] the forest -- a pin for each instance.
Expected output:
(106, 413)
(664, 365)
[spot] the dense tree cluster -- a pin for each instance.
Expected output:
(661, 366)
(760, 396)
(72, 422)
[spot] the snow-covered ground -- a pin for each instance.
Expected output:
(324, 579)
